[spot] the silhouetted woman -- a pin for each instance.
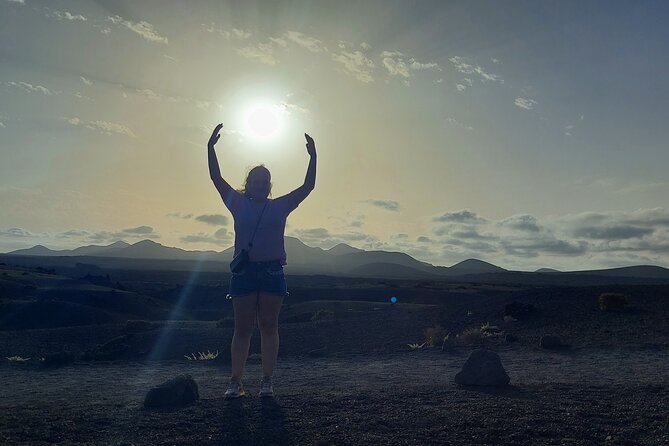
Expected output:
(261, 287)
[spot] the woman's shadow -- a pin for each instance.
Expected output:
(242, 424)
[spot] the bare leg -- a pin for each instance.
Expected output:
(269, 306)
(245, 312)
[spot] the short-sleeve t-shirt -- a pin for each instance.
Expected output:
(268, 243)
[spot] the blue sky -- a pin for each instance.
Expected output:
(528, 134)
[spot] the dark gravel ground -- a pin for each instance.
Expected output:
(352, 379)
(576, 398)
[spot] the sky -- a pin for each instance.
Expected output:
(528, 134)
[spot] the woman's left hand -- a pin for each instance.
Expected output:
(311, 146)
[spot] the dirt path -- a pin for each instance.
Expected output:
(577, 398)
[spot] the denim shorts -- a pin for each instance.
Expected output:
(259, 276)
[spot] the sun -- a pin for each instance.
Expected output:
(262, 121)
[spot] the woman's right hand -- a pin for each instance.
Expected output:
(214, 136)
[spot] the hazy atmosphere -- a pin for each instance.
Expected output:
(529, 136)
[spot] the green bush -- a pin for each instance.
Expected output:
(612, 301)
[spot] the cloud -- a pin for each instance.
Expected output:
(231, 34)
(138, 230)
(323, 238)
(356, 64)
(180, 215)
(465, 68)
(15, 232)
(213, 219)
(460, 87)
(2, 124)
(65, 15)
(144, 29)
(310, 43)
(399, 64)
(22, 2)
(522, 222)
(463, 216)
(25, 86)
(389, 205)
(261, 52)
(457, 123)
(527, 104)
(222, 237)
(105, 127)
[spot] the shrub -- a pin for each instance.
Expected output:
(488, 330)
(471, 336)
(434, 336)
(203, 356)
(322, 314)
(612, 301)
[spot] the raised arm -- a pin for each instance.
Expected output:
(294, 198)
(310, 179)
(214, 171)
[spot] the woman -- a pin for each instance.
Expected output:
(258, 290)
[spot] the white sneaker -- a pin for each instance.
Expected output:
(266, 389)
(235, 390)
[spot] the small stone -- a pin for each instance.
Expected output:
(178, 391)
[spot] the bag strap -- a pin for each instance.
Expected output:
(254, 231)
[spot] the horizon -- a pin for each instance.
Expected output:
(535, 269)
(530, 135)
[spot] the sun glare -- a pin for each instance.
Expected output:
(262, 121)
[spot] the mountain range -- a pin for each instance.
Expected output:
(340, 260)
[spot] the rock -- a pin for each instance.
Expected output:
(116, 348)
(482, 368)
(178, 391)
(551, 342)
(57, 359)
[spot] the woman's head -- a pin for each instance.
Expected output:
(258, 184)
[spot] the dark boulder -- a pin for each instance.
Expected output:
(178, 391)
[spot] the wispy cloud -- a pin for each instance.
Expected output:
(25, 86)
(356, 64)
(144, 29)
(401, 65)
(390, 205)
(232, 33)
(462, 66)
(65, 15)
(105, 127)
(310, 43)
(527, 104)
(457, 123)
(261, 52)
(86, 81)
